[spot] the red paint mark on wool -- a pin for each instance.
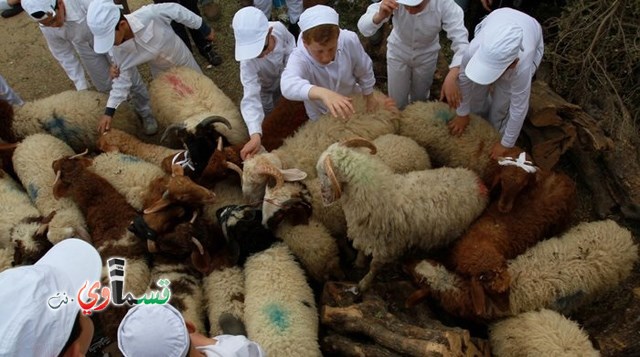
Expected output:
(179, 86)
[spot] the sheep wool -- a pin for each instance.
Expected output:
(402, 154)
(32, 161)
(16, 206)
(182, 95)
(223, 292)
(70, 116)
(280, 310)
(6, 258)
(125, 143)
(539, 333)
(129, 175)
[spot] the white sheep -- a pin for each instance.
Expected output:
(15, 207)
(401, 153)
(69, 116)
(539, 333)
(389, 213)
(182, 95)
(223, 293)
(280, 311)
(32, 161)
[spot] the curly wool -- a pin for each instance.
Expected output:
(223, 292)
(125, 143)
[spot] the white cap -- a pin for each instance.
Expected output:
(45, 7)
(153, 330)
(498, 50)
(317, 15)
(30, 325)
(102, 18)
(250, 28)
(409, 2)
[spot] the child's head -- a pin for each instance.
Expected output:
(498, 51)
(320, 31)
(106, 22)
(250, 28)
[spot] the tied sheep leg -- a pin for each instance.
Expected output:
(365, 282)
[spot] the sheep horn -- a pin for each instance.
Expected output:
(198, 244)
(215, 119)
(270, 170)
(171, 128)
(58, 174)
(86, 151)
(6, 146)
(151, 246)
(219, 148)
(193, 219)
(360, 142)
(234, 167)
(335, 185)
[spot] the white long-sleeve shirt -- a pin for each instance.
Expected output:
(418, 34)
(517, 81)
(155, 42)
(262, 76)
(351, 72)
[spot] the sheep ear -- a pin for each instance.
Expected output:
(291, 175)
(202, 262)
(60, 189)
(177, 170)
(477, 297)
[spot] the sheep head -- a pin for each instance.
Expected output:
(290, 201)
(180, 188)
(218, 165)
(261, 168)
(67, 170)
(513, 175)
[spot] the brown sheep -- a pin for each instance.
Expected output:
(287, 116)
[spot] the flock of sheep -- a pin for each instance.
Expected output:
(246, 237)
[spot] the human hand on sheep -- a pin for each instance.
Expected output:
(458, 124)
(252, 147)
(498, 151)
(339, 106)
(386, 9)
(114, 71)
(450, 89)
(104, 124)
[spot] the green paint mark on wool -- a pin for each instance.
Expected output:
(444, 115)
(129, 158)
(278, 316)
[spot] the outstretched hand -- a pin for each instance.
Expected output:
(339, 106)
(104, 124)
(252, 147)
(458, 124)
(450, 90)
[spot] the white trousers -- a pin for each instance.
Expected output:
(409, 76)
(294, 8)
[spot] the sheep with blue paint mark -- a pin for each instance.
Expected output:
(67, 116)
(280, 311)
(32, 161)
(224, 292)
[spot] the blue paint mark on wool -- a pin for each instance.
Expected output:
(60, 128)
(129, 158)
(32, 190)
(278, 316)
(444, 115)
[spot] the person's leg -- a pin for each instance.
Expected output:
(422, 76)
(294, 9)
(8, 94)
(398, 80)
(96, 66)
(264, 6)
(203, 45)
(140, 99)
(179, 29)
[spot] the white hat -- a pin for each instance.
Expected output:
(31, 325)
(317, 15)
(409, 2)
(153, 330)
(250, 28)
(497, 51)
(44, 8)
(102, 18)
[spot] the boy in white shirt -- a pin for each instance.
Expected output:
(263, 48)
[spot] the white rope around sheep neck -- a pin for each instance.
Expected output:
(520, 162)
(184, 163)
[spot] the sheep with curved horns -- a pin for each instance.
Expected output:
(66, 116)
(32, 161)
(562, 274)
(389, 213)
(182, 98)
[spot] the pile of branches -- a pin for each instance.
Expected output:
(595, 57)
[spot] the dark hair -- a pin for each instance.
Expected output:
(321, 34)
(75, 333)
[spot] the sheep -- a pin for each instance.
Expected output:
(389, 213)
(539, 333)
(283, 121)
(224, 293)
(125, 143)
(187, 96)
(402, 154)
(560, 273)
(67, 116)
(542, 210)
(280, 311)
(296, 158)
(108, 214)
(32, 161)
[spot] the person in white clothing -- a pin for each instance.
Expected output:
(414, 44)
(64, 26)
(294, 9)
(160, 330)
(144, 36)
(7, 93)
(496, 74)
(328, 66)
(263, 48)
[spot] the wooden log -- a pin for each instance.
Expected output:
(344, 346)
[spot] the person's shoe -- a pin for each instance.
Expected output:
(150, 125)
(294, 29)
(13, 11)
(231, 325)
(211, 55)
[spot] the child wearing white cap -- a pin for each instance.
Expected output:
(144, 36)
(496, 73)
(414, 44)
(327, 67)
(7, 93)
(40, 316)
(263, 48)
(160, 330)
(64, 26)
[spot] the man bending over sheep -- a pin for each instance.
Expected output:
(143, 36)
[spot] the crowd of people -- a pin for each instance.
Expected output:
(325, 66)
